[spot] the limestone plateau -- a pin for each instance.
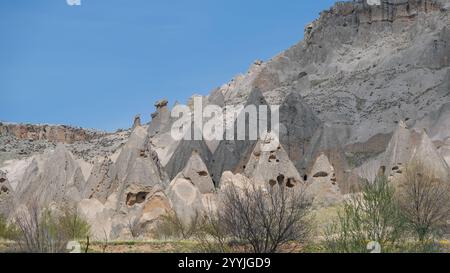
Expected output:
(367, 89)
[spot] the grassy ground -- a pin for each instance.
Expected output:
(153, 246)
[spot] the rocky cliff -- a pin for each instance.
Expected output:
(366, 91)
(52, 133)
(363, 65)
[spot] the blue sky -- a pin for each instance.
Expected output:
(99, 64)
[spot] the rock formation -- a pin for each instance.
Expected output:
(398, 152)
(322, 185)
(269, 164)
(136, 121)
(232, 155)
(54, 177)
(52, 133)
(298, 123)
(6, 196)
(197, 172)
(136, 165)
(99, 181)
(367, 77)
(160, 119)
(362, 66)
(326, 140)
(426, 153)
(186, 199)
(183, 153)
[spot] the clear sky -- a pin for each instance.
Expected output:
(99, 64)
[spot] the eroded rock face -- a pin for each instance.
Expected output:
(144, 208)
(427, 154)
(183, 153)
(186, 199)
(52, 133)
(298, 123)
(99, 181)
(197, 172)
(238, 181)
(327, 140)
(137, 121)
(54, 177)
(398, 152)
(6, 196)
(269, 164)
(361, 66)
(161, 119)
(323, 183)
(232, 155)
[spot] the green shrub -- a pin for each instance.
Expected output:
(47, 231)
(370, 216)
(7, 230)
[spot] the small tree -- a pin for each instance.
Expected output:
(45, 231)
(372, 215)
(73, 225)
(424, 200)
(267, 219)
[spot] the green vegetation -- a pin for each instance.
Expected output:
(372, 215)
(8, 230)
(408, 215)
(48, 231)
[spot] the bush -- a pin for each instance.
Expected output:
(267, 220)
(46, 231)
(7, 230)
(424, 200)
(372, 215)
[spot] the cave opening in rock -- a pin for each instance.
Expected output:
(272, 157)
(4, 189)
(321, 174)
(202, 173)
(290, 182)
(280, 179)
(272, 182)
(136, 198)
